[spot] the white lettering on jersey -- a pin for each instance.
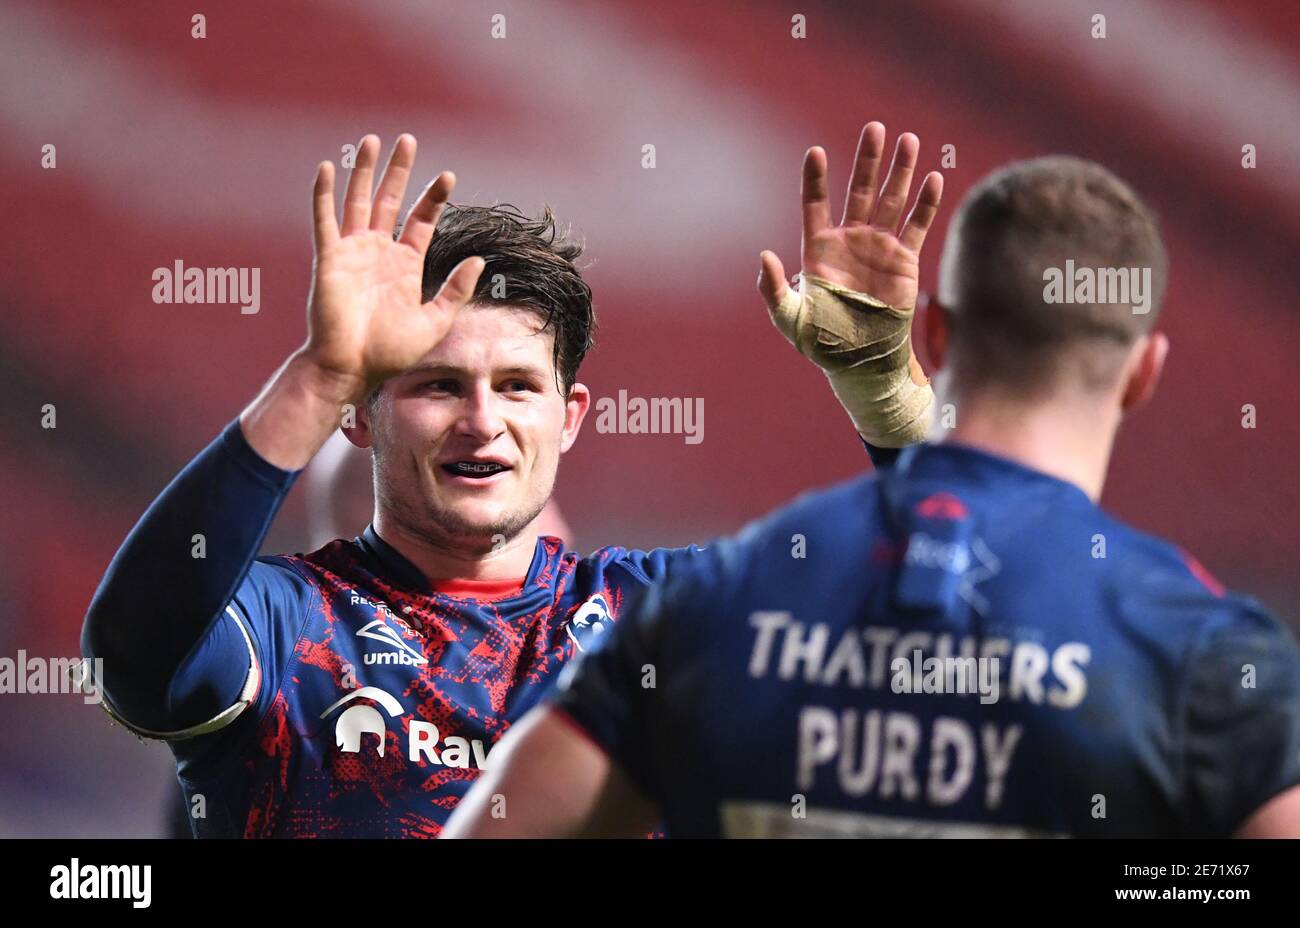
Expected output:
(880, 753)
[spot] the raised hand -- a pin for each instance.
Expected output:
(366, 321)
(867, 251)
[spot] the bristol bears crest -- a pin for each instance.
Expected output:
(590, 621)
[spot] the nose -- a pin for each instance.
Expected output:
(480, 415)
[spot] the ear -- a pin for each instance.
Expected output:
(938, 327)
(575, 410)
(361, 434)
(1145, 366)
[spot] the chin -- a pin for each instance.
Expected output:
(480, 520)
(477, 520)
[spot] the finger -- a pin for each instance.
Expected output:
(392, 187)
(356, 202)
(771, 279)
(866, 166)
(814, 193)
(325, 225)
(458, 288)
(923, 212)
(422, 219)
(893, 193)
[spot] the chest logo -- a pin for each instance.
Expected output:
(589, 622)
(358, 720)
(425, 744)
(400, 653)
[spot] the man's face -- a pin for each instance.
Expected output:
(468, 441)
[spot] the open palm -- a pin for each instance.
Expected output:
(366, 320)
(867, 251)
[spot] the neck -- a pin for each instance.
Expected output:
(1067, 439)
(447, 558)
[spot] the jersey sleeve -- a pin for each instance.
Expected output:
(613, 692)
(603, 692)
(1242, 735)
(186, 629)
(658, 563)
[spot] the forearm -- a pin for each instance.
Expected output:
(864, 348)
(547, 780)
(297, 411)
(188, 555)
(882, 458)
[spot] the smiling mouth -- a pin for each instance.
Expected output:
(475, 470)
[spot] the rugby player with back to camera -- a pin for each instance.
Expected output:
(951, 657)
(359, 690)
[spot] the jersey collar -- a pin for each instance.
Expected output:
(393, 566)
(952, 460)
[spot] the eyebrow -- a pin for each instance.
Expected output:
(453, 369)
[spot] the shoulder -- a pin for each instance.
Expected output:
(1148, 568)
(337, 566)
(1158, 583)
(842, 511)
(638, 565)
(337, 556)
(769, 552)
(834, 515)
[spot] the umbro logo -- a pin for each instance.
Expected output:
(378, 630)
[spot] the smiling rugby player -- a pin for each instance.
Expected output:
(359, 690)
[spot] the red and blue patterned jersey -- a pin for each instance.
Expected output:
(338, 693)
(391, 695)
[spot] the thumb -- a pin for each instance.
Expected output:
(458, 288)
(771, 279)
(455, 292)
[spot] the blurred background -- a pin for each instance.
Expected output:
(203, 150)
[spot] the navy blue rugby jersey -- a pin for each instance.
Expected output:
(957, 646)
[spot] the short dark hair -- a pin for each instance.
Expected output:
(529, 264)
(1008, 231)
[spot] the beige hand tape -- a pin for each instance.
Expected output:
(863, 346)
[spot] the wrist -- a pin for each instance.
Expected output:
(296, 412)
(329, 385)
